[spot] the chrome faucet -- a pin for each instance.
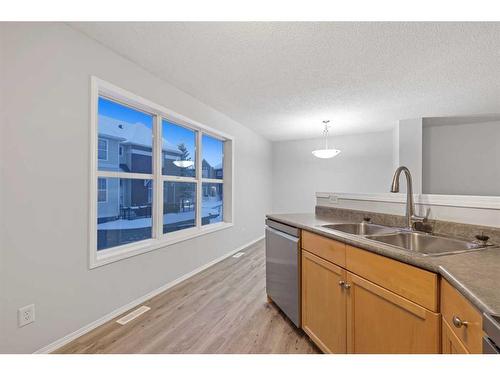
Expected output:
(411, 218)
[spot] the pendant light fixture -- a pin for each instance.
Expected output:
(326, 153)
(184, 163)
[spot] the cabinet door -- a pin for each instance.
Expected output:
(451, 344)
(455, 306)
(323, 303)
(380, 321)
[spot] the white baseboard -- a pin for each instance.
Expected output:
(113, 314)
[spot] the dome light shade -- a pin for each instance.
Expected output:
(326, 153)
(183, 163)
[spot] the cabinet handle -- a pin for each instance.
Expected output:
(344, 284)
(459, 323)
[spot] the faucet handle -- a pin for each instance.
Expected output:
(418, 219)
(482, 239)
(367, 219)
(421, 219)
(421, 223)
(427, 213)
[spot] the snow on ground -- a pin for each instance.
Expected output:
(210, 207)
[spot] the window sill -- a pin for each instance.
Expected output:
(104, 257)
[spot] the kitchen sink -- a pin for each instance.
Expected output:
(427, 244)
(361, 229)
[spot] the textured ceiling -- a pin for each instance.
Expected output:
(283, 79)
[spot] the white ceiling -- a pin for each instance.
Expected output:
(283, 79)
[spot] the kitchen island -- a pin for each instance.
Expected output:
(423, 296)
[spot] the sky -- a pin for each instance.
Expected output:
(120, 112)
(212, 149)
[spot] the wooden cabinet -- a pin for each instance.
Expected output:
(354, 301)
(380, 321)
(463, 319)
(451, 344)
(328, 249)
(323, 303)
(413, 283)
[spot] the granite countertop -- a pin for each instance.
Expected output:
(475, 274)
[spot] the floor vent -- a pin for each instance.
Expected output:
(134, 314)
(237, 255)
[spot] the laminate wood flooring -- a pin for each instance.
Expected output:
(223, 309)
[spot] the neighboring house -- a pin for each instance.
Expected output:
(211, 171)
(218, 171)
(125, 147)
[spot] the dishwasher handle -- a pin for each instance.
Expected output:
(283, 228)
(282, 234)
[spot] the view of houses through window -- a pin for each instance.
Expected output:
(102, 190)
(102, 149)
(126, 197)
(212, 175)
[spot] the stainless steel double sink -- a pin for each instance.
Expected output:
(412, 241)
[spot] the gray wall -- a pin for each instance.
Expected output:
(45, 77)
(365, 165)
(461, 158)
(409, 139)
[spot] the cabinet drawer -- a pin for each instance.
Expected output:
(324, 247)
(417, 285)
(454, 305)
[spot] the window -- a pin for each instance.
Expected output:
(160, 177)
(121, 224)
(179, 202)
(120, 125)
(213, 157)
(126, 216)
(179, 150)
(213, 162)
(212, 203)
(102, 149)
(102, 190)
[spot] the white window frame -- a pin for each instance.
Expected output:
(105, 190)
(107, 148)
(159, 240)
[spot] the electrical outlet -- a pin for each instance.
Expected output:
(26, 315)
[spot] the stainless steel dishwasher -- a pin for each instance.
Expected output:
(491, 328)
(282, 268)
